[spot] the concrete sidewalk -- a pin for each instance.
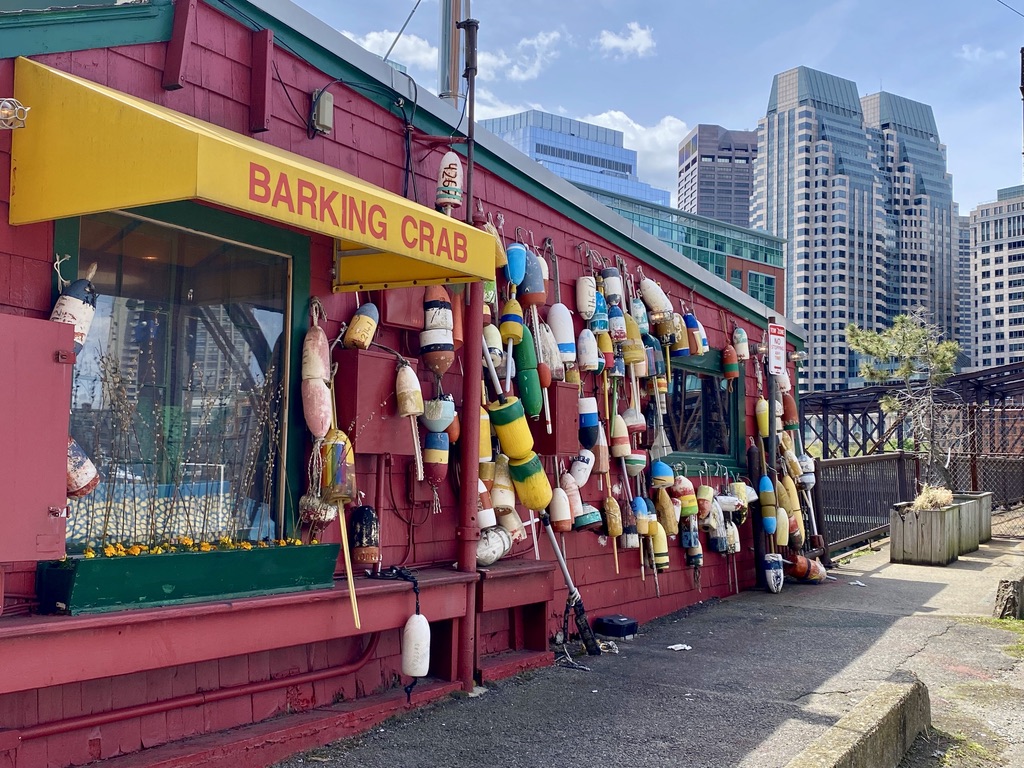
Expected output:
(766, 676)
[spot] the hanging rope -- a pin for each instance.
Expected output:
(61, 282)
(402, 574)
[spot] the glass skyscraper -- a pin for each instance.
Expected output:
(716, 171)
(579, 152)
(859, 190)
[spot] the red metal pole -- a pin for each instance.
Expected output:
(468, 532)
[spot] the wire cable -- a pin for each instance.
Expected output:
(1006, 5)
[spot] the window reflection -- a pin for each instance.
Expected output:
(699, 413)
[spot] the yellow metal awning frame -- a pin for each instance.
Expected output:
(89, 148)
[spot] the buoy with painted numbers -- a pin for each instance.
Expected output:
(586, 296)
(450, 182)
(76, 306)
(416, 646)
(362, 327)
(740, 342)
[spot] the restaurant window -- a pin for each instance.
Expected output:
(178, 393)
(700, 412)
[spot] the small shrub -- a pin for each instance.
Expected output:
(932, 497)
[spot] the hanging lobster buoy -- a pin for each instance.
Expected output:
(781, 527)
(586, 296)
(438, 414)
(705, 495)
(494, 347)
(783, 381)
(532, 486)
(485, 515)
(694, 551)
(766, 495)
(494, 544)
(450, 183)
(620, 447)
(739, 341)
(586, 352)
(76, 306)
(316, 406)
(416, 646)
(773, 573)
(533, 290)
(607, 351)
(435, 458)
(509, 422)
(589, 421)
(662, 475)
(515, 269)
(552, 357)
(730, 363)
(588, 520)
(636, 462)
(638, 311)
(630, 529)
(559, 512)
(527, 378)
(717, 533)
(365, 535)
(704, 346)
(680, 344)
(486, 449)
(437, 309)
(410, 406)
(732, 538)
(582, 466)
(666, 511)
(362, 327)
(616, 324)
(503, 498)
(692, 334)
(658, 304)
(602, 464)
(790, 414)
(572, 492)
(82, 474)
(761, 414)
(683, 489)
(486, 474)
(511, 323)
(437, 350)
(560, 321)
(659, 543)
(599, 320)
(639, 510)
(612, 517)
(612, 286)
(338, 479)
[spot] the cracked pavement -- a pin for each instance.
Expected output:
(767, 675)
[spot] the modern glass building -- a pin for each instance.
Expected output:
(579, 152)
(716, 173)
(751, 261)
(964, 292)
(859, 190)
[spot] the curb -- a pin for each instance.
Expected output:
(876, 733)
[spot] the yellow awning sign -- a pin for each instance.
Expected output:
(89, 148)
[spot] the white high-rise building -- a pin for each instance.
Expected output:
(858, 188)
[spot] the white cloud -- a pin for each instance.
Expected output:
(657, 145)
(489, 105)
(532, 56)
(977, 54)
(411, 51)
(636, 41)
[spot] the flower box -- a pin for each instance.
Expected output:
(928, 537)
(95, 585)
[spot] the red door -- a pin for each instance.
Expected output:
(35, 393)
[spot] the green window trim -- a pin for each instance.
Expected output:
(228, 226)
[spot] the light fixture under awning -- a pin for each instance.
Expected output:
(90, 148)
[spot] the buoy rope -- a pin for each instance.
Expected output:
(401, 573)
(61, 282)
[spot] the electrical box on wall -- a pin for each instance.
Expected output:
(323, 111)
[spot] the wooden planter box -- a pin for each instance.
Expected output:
(984, 499)
(930, 537)
(970, 522)
(78, 585)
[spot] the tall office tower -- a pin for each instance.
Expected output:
(997, 276)
(579, 152)
(859, 190)
(716, 171)
(964, 291)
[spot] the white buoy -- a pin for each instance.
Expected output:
(560, 320)
(581, 467)
(586, 296)
(658, 304)
(416, 646)
(740, 343)
(450, 181)
(485, 516)
(586, 351)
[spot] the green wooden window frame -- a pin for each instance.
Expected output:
(228, 226)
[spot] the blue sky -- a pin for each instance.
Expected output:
(653, 69)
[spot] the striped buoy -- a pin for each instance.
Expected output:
(586, 352)
(572, 492)
(511, 323)
(655, 355)
(682, 488)
(437, 309)
(658, 304)
(362, 327)
(515, 269)
(552, 357)
(435, 458)
(485, 515)
(766, 495)
(616, 324)
(633, 347)
(527, 378)
(438, 414)
(612, 517)
(635, 422)
(560, 321)
(679, 346)
(82, 476)
(630, 538)
(692, 334)
(365, 525)
(450, 183)
(662, 475)
(486, 473)
(582, 466)
(730, 363)
(639, 510)
(586, 296)
(703, 335)
(739, 341)
(636, 462)
(620, 447)
(503, 493)
(437, 350)
(659, 543)
(559, 512)
(494, 347)
(599, 320)
(589, 421)
(588, 520)
(612, 286)
(790, 414)
(486, 447)
(532, 486)
(783, 382)
(509, 422)
(532, 290)
(338, 477)
(638, 311)
(76, 306)
(705, 495)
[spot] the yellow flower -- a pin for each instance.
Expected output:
(186, 541)
(314, 541)
(89, 554)
(282, 542)
(262, 544)
(135, 550)
(205, 546)
(109, 551)
(244, 545)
